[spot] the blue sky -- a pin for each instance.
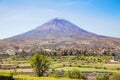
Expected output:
(97, 16)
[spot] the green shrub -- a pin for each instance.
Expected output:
(70, 65)
(6, 76)
(64, 65)
(105, 68)
(17, 66)
(79, 66)
(118, 68)
(55, 74)
(115, 76)
(11, 74)
(53, 70)
(75, 74)
(103, 77)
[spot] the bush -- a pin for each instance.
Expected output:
(103, 77)
(79, 66)
(70, 65)
(118, 68)
(75, 74)
(6, 76)
(17, 66)
(53, 69)
(11, 74)
(64, 65)
(115, 76)
(55, 74)
(105, 68)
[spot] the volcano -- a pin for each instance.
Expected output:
(57, 28)
(59, 34)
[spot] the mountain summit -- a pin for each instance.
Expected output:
(57, 28)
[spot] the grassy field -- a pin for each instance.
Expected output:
(87, 69)
(27, 77)
(22, 68)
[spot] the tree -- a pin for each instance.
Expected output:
(39, 63)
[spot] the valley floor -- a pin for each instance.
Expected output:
(90, 66)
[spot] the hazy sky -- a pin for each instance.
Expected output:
(97, 16)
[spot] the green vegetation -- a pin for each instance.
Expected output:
(39, 63)
(75, 74)
(55, 74)
(58, 67)
(103, 77)
(115, 76)
(27, 77)
(10, 74)
(6, 76)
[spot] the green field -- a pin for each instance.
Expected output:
(21, 68)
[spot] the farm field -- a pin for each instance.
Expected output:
(21, 68)
(27, 77)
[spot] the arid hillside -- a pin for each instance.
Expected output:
(59, 34)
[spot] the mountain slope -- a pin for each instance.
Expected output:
(57, 28)
(59, 34)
